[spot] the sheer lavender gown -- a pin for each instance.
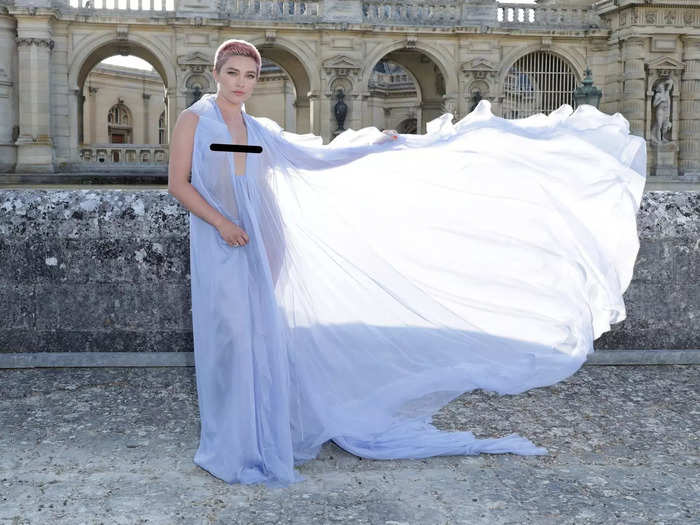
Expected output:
(385, 278)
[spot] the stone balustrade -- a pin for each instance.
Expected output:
(531, 15)
(272, 9)
(375, 12)
(416, 12)
(126, 6)
(106, 154)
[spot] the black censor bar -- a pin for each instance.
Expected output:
(244, 148)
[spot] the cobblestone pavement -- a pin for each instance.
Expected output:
(115, 445)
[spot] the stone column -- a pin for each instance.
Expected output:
(35, 151)
(689, 124)
(303, 115)
(94, 104)
(8, 94)
(315, 112)
(634, 51)
(146, 121)
(174, 105)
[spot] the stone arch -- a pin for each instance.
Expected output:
(299, 66)
(95, 49)
(104, 46)
(440, 60)
(435, 54)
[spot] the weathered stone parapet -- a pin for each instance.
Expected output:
(663, 300)
(108, 271)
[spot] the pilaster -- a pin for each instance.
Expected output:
(35, 151)
(634, 53)
(8, 94)
(689, 132)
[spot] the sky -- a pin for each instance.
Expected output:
(128, 61)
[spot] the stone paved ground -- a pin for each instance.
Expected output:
(115, 445)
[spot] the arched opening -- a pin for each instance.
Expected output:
(282, 91)
(394, 100)
(407, 89)
(122, 110)
(538, 82)
(410, 125)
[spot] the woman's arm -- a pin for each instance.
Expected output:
(179, 167)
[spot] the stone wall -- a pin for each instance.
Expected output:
(108, 271)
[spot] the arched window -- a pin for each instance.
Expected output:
(118, 115)
(538, 82)
(119, 124)
(161, 128)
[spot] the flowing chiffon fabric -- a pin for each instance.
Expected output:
(383, 278)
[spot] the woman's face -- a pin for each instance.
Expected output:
(237, 78)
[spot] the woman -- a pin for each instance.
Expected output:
(348, 291)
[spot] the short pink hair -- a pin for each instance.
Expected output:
(236, 47)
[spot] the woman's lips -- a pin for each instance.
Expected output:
(238, 92)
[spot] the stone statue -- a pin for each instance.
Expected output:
(661, 107)
(476, 98)
(196, 94)
(340, 110)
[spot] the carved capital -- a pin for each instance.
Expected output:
(39, 42)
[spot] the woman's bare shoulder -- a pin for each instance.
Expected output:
(188, 117)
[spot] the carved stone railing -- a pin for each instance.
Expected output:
(413, 12)
(271, 9)
(123, 6)
(375, 12)
(532, 15)
(110, 154)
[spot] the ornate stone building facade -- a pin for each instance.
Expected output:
(524, 58)
(121, 106)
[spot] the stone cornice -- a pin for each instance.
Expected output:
(34, 12)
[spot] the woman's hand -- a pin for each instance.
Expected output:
(232, 233)
(391, 134)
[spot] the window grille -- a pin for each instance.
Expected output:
(538, 82)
